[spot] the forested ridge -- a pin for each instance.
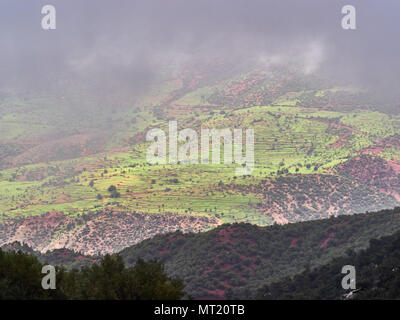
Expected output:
(235, 260)
(232, 261)
(377, 276)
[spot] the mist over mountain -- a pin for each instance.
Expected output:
(107, 45)
(79, 104)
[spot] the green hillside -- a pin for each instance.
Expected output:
(320, 150)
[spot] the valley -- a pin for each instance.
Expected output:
(320, 151)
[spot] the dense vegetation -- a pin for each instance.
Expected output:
(21, 277)
(68, 258)
(233, 261)
(377, 276)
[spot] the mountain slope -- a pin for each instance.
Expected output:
(377, 276)
(320, 150)
(57, 257)
(236, 260)
(246, 261)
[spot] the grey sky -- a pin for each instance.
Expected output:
(123, 42)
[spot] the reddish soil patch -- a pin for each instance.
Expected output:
(62, 198)
(340, 142)
(163, 251)
(224, 235)
(375, 151)
(293, 242)
(100, 232)
(55, 148)
(395, 166)
(217, 294)
(374, 171)
(325, 242)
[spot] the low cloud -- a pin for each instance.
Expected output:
(111, 44)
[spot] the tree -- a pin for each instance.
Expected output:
(21, 276)
(151, 282)
(109, 279)
(115, 194)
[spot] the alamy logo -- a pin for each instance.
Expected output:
(49, 20)
(349, 280)
(188, 151)
(348, 21)
(349, 18)
(49, 280)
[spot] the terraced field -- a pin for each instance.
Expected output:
(320, 150)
